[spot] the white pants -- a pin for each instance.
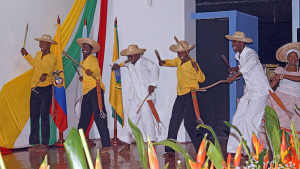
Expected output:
(148, 122)
(247, 119)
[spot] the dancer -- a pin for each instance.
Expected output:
(92, 102)
(41, 94)
(252, 105)
(189, 75)
(144, 76)
(288, 78)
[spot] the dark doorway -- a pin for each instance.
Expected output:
(211, 44)
(274, 21)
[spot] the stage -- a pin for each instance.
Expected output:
(23, 159)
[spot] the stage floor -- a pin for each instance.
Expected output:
(23, 159)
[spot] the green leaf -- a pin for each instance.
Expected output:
(297, 107)
(233, 126)
(139, 143)
(217, 144)
(215, 156)
(2, 165)
(166, 167)
(74, 150)
(295, 138)
(244, 142)
(272, 126)
(174, 144)
(276, 142)
(261, 157)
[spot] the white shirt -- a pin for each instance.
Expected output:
(255, 78)
(288, 86)
(143, 74)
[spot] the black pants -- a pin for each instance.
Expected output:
(184, 109)
(88, 106)
(40, 107)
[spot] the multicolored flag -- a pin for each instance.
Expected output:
(58, 108)
(115, 96)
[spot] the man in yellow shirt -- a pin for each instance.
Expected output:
(90, 100)
(40, 99)
(189, 75)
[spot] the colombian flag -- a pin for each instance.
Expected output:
(59, 107)
(115, 96)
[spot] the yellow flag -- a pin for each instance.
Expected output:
(115, 96)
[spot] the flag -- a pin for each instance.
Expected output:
(58, 108)
(79, 92)
(102, 33)
(115, 96)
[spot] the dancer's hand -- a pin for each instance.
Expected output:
(115, 67)
(43, 77)
(162, 62)
(151, 89)
(88, 72)
(24, 52)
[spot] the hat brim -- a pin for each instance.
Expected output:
(89, 41)
(246, 39)
(174, 48)
(126, 52)
(45, 40)
(281, 52)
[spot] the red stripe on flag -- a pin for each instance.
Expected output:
(59, 117)
(101, 41)
(90, 126)
(102, 33)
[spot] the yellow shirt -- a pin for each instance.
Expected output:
(187, 75)
(41, 66)
(88, 82)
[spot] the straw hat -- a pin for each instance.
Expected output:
(89, 41)
(239, 36)
(179, 48)
(46, 38)
(131, 50)
(281, 53)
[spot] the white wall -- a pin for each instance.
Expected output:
(151, 27)
(14, 15)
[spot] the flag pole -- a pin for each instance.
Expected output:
(115, 140)
(60, 141)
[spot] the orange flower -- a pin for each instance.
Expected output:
(195, 165)
(237, 157)
(257, 146)
(44, 164)
(98, 163)
(228, 161)
(283, 151)
(202, 151)
(153, 162)
(212, 165)
(266, 159)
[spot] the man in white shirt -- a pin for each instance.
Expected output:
(144, 75)
(251, 106)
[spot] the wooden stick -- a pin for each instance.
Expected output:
(221, 81)
(33, 89)
(157, 55)
(76, 69)
(142, 104)
(182, 47)
(25, 35)
(64, 53)
(226, 62)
